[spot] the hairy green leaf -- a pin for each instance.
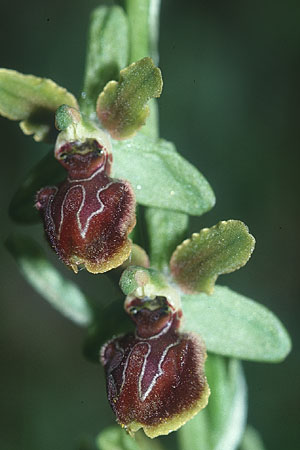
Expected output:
(165, 229)
(223, 248)
(62, 294)
(47, 172)
(233, 325)
(221, 424)
(122, 106)
(107, 53)
(161, 177)
(251, 440)
(32, 100)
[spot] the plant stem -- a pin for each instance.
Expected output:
(143, 16)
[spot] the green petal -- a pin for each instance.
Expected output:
(161, 177)
(122, 106)
(32, 100)
(223, 248)
(233, 325)
(62, 294)
(107, 53)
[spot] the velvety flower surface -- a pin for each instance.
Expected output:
(88, 217)
(155, 377)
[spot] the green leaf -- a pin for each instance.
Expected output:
(165, 229)
(62, 294)
(251, 440)
(32, 100)
(107, 53)
(122, 106)
(223, 248)
(233, 325)
(221, 424)
(47, 171)
(161, 177)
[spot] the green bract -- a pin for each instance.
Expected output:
(161, 177)
(197, 262)
(32, 100)
(233, 325)
(122, 106)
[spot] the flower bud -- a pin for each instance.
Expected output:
(155, 377)
(88, 217)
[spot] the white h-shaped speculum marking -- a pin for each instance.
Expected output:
(156, 376)
(83, 230)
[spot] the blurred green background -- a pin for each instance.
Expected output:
(231, 104)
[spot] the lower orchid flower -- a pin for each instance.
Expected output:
(155, 376)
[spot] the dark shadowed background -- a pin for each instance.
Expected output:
(231, 104)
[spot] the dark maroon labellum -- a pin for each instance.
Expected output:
(88, 217)
(155, 377)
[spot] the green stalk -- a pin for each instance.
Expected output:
(143, 19)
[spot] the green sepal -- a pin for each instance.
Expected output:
(47, 171)
(166, 229)
(235, 326)
(122, 106)
(223, 248)
(161, 177)
(61, 293)
(107, 53)
(221, 424)
(33, 101)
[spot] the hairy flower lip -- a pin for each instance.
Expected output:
(155, 384)
(155, 376)
(88, 217)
